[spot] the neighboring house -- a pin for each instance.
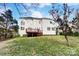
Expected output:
(75, 24)
(46, 26)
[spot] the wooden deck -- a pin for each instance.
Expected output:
(33, 32)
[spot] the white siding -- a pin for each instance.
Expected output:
(22, 32)
(45, 25)
(32, 23)
(40, 24)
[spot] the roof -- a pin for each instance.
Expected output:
(34, 18)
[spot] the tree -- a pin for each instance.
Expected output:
(76, 19)
(15, 27)
(8, 19)
(64, 11)
(2, 29)
(8, 22)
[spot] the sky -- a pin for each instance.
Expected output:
(37, 10)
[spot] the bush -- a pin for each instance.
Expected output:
(24, 35)
(76, 34)
(18, 35)
(61, 33)
(70, 33)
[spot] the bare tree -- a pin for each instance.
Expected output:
(76, 19)
(64, 11)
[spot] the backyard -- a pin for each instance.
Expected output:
(41, 46)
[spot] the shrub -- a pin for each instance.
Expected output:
(76, 34)
(70, 33)
(24, 35)
(61, 33)
(17, 35)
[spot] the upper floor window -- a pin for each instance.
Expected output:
(40, 21)
(22, 23)
(50, 22)
(48, 28)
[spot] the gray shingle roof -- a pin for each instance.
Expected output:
(34, 18)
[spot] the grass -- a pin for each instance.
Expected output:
(42, 46)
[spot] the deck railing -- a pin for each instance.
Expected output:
(33, 30)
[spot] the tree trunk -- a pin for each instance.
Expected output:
(65, 31)
(66, 39)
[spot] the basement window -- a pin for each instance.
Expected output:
(22, 28)
(22, 23)
(53, 28)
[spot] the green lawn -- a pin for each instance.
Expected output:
(42, 46)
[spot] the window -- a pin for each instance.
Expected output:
(48, 28)
(53, 28)
(22, 28)
(50, 22)
(22, 23)
(40, 21)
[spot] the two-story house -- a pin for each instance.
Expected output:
(30, 25)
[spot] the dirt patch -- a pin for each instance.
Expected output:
(5, 43)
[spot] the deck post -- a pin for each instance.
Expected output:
(32, 34)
